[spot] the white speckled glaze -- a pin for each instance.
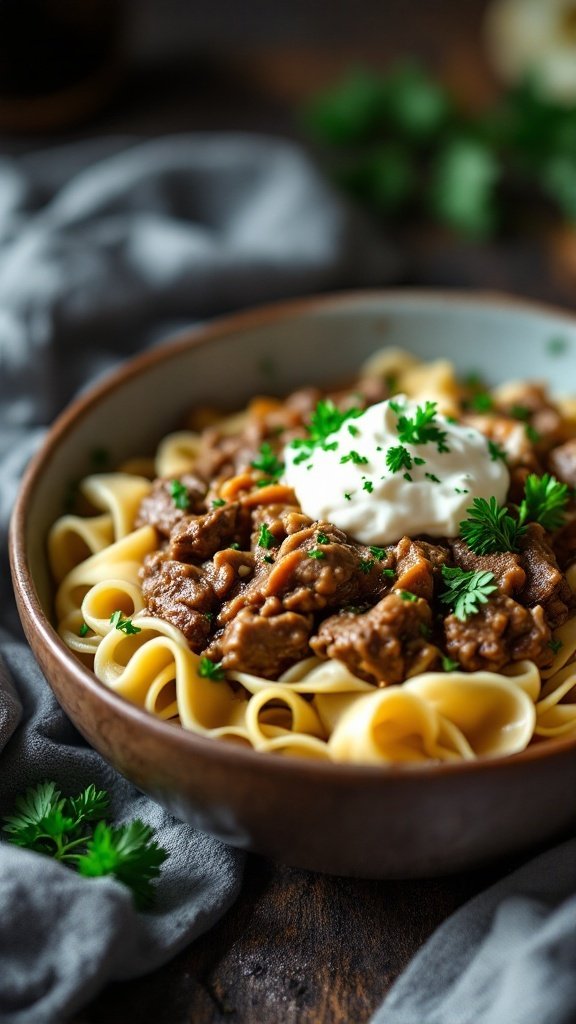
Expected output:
(404, 821)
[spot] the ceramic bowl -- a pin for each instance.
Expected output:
(373, 822)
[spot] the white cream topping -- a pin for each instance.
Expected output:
(351, 485)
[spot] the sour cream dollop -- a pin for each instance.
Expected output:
(348, 482)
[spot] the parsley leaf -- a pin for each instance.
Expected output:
(325, 420)
(496, 452)
(422, 428)
(267, 462)
(407, 595)
(379, 553)
(61, 827)
(179, 495)
(209, 669)
(490, 528)
(466, 591)
(316, 553)
(266, 538)
(129, 854)
(398, 458)
(449, 665)
(84, 629)
(365, 565)
(322, 538)
(355, 457)
(218, 502)
(124, 625)
(545, 501)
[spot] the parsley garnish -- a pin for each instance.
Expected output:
(490, 528)
(266, 539)
(520, 412)
(348, 495)
(466, 591)
(449, 665)
(316, 553)
(532, 434)
(555, 645)
(432, 477)
(407, 476)
(322, 538)
(482, 402)
(84, 629)
(267, 462)
(422, 428)
(179, 495)
(325, 420)
(269, 559)
(545, 501)
(353, 431)
(388, 572)
(398, 458)
(124, 625)
(62, 828)
(209, 669)
(407, 595)
(365, 565)
(496, 451)
(218, 503)
(368, 486)
(209, 616)
(352, 456)
(378, 553)
(234, 546)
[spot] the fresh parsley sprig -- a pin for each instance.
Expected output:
(267, 462)
(63, 828)
(124, 625)
(466, 591)
(209, 669)
(325, 420)
(179, 495)
(545, 501)
(398, 458)
(490, 528)
(422, 427)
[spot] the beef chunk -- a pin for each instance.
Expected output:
(229, 570)
(562, 462)
(416, 562)
(281, 520)
(564, 543)
(545, 584)
(179, 594)
(505, 565)
(263, 645)
(158, 508)
(199, 537)
(384, 645)
(501, 632)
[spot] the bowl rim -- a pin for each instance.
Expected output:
(232, 755)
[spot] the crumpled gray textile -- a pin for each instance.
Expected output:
(104, 247)
(506, 957)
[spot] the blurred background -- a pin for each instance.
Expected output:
(452, 123)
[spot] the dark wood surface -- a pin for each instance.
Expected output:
(301, 948)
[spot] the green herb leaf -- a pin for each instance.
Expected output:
(322, 538)
(449, 665)
(124, 625)
(496, 452)
(84, 629)
(266, 538)
(398, 458)
(466, 591)
(316, 553)
(268, 463)
(490, 528)
(407, 595)
(209, 669)
(555, 645)
(365, 565)
(179, 495)
(379, 553)
(218, 502)
(545, 501)
(325, 420)
(422, 428)
(355, 457)
(129, 854)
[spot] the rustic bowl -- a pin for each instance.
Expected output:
(373, 822)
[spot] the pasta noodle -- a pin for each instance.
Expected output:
(318, 707)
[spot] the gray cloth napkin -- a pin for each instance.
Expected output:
(104, 246)
(506, 957)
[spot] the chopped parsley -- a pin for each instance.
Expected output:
(325, 420)
(209, 616)
(355, 457)
(269, 559)
(520, 412)
(353, 431)
(124, 625)
(316, 553)
(266, 539)
(421, 428)
(432, 477)
(482, 402)
(368, 486)
(490, 528)
(84, 629)
(460, 490)
(496, 452)
(365, 565)
(555, 645)
(379, 553)
(466, 591)
(179, 495)
(348, 495)
(532, 434)
(209, 669)
(407, 595)
(545, 501)
(268, 463)
(449, 665)
(218, 502)
(408, 477)
(389, 573)
(322, 538)
(419, 462)
(398, 458)
(234, 545)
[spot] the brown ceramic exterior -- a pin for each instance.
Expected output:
(350, 820)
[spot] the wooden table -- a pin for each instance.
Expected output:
(301, 948)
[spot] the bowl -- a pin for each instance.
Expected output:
(402, 821)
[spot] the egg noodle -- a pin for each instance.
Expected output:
(317, 708)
